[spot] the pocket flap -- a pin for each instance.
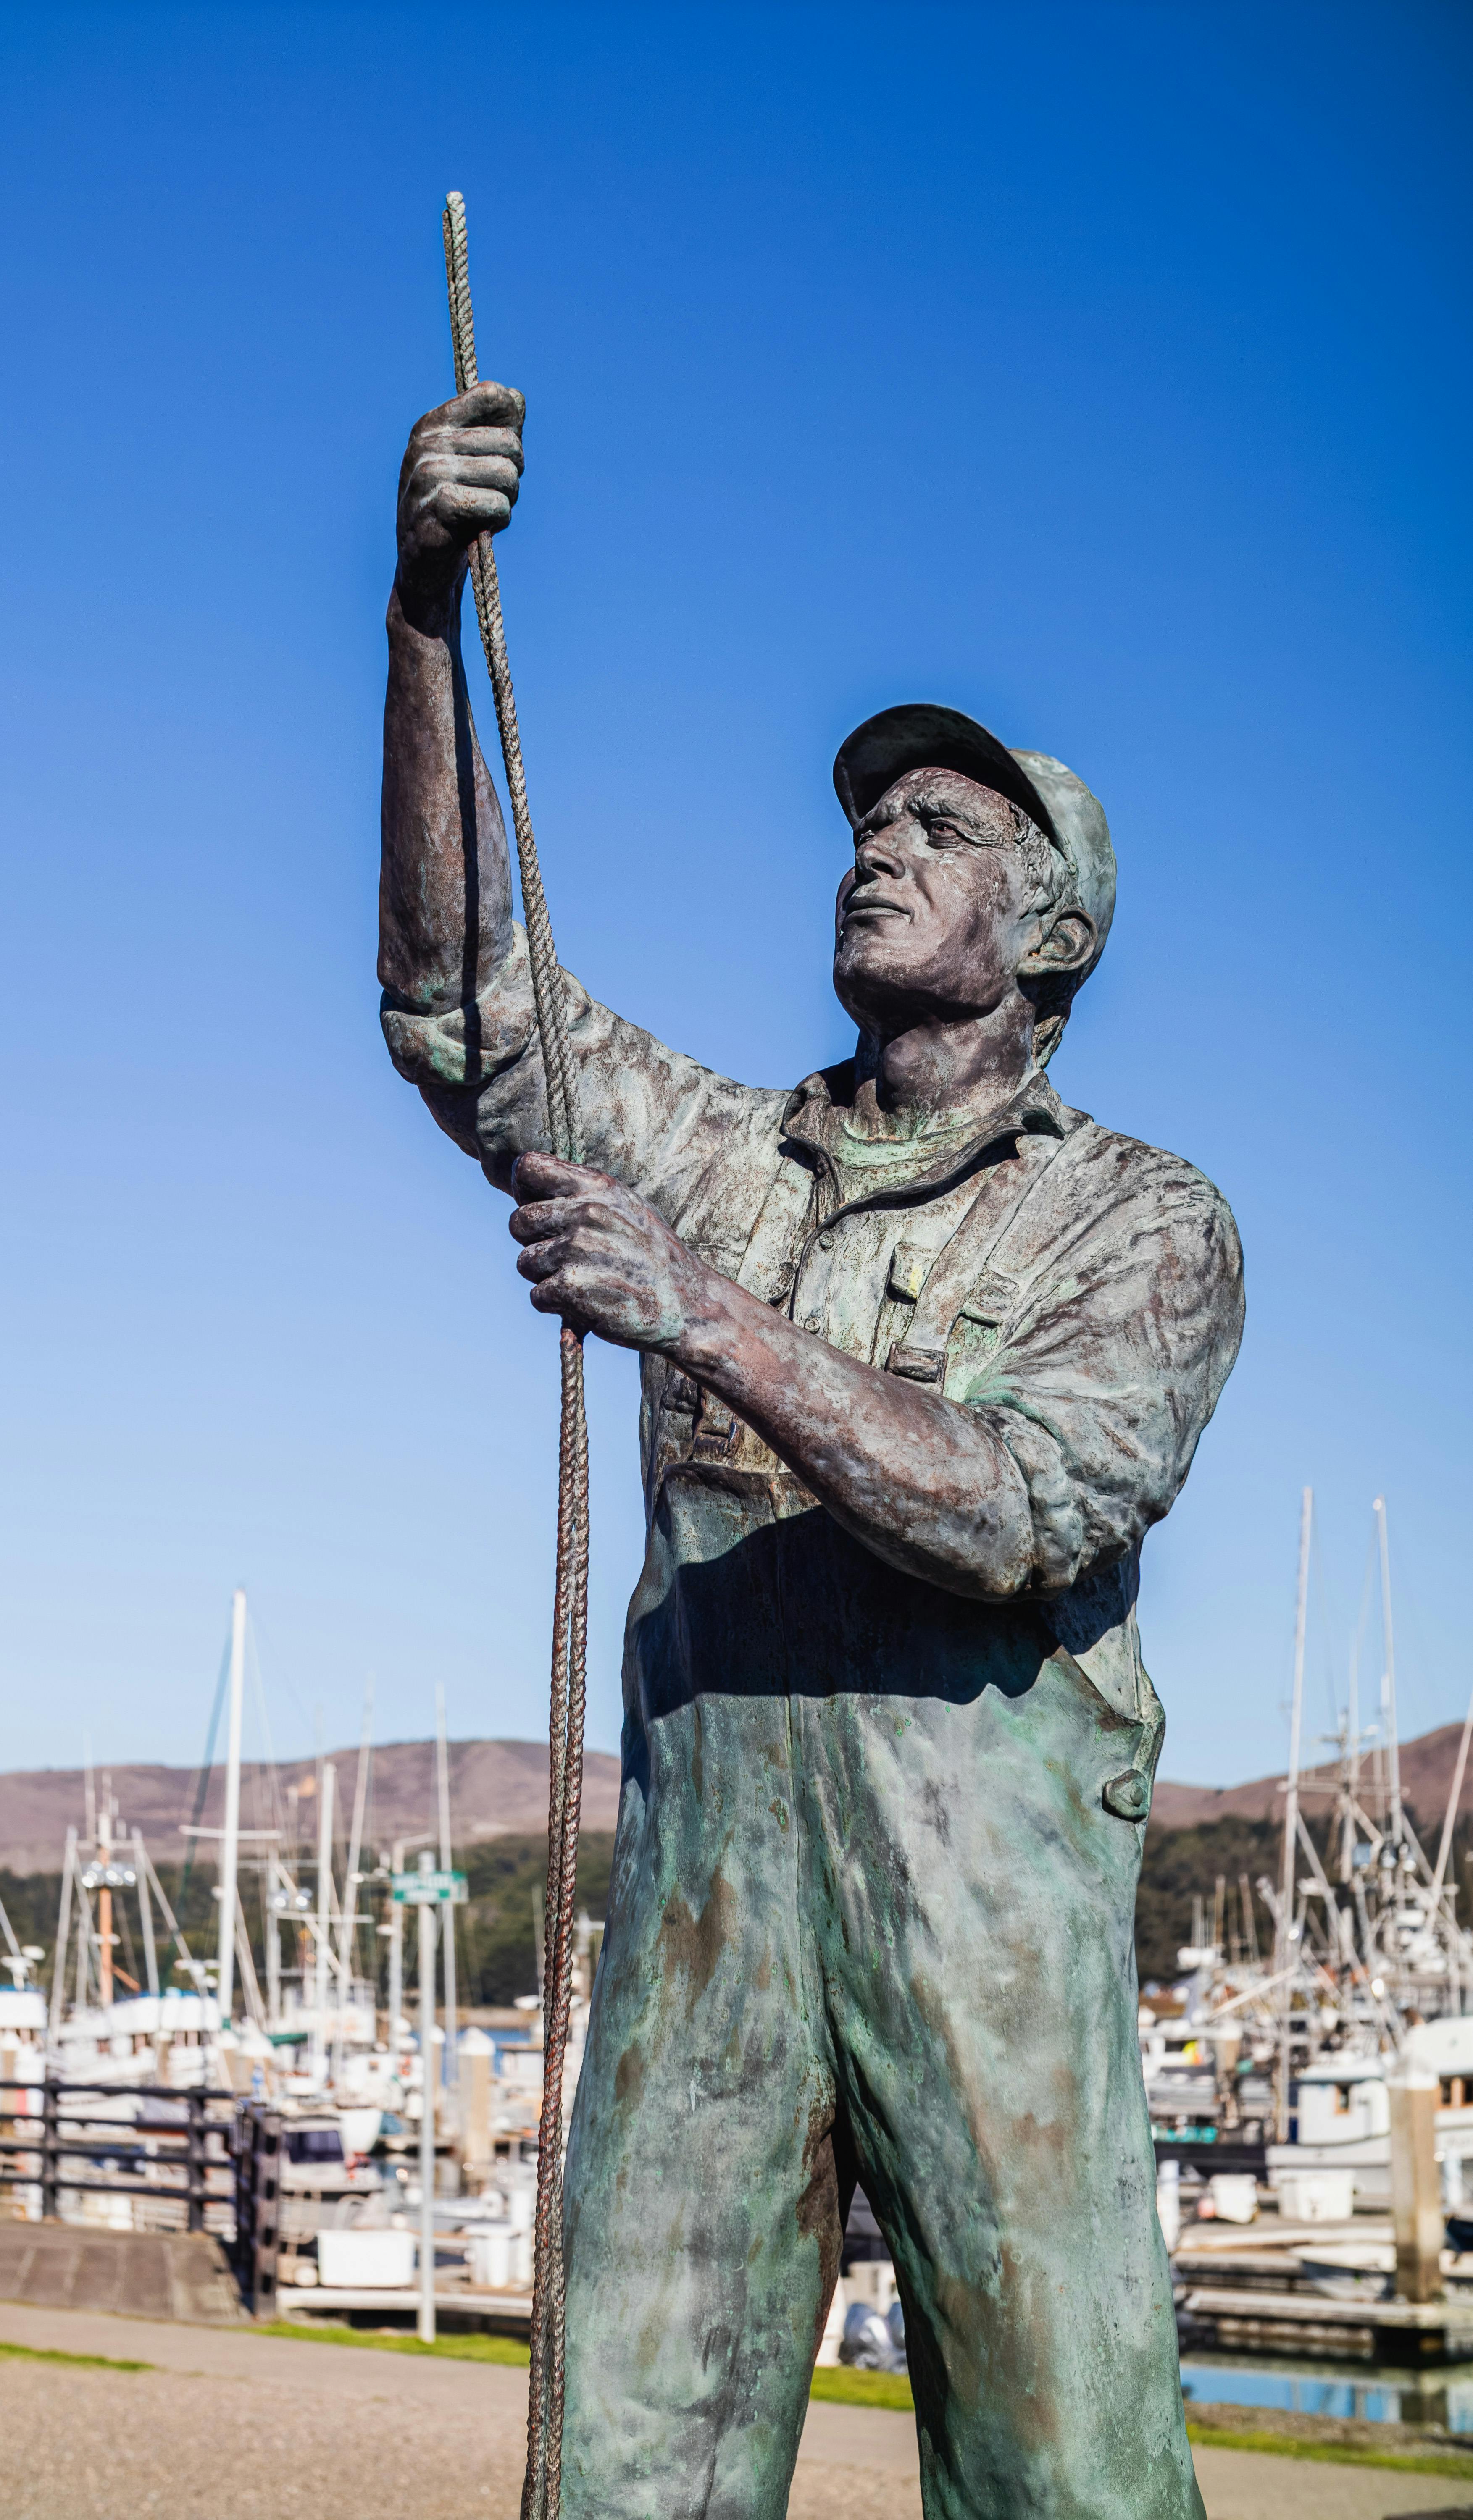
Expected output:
(909, 1267)
(990, 1300)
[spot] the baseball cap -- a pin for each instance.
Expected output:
(921, 735)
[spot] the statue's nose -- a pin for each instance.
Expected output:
(878, 853)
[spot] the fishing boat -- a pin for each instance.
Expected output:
(297, 2010)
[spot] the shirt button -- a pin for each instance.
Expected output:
(826, 1242)
(813, 1322)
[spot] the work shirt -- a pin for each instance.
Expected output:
(873, 1884)
(1078, 1290)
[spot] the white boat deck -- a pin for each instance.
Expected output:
(301, 2301)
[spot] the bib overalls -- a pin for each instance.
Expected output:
(872, 1904)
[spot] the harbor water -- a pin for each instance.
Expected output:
(1439, 2399)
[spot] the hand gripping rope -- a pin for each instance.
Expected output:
(541, 2492)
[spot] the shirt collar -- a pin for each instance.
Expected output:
(814, 1115)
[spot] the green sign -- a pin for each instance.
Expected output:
(430, 1889)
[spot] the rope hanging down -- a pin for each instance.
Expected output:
(541, 2492)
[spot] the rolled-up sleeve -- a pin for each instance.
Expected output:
(1114, 1361)
(688, 1139)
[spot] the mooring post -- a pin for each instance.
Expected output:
(194, 2172)
(49, 2151)
(1416, 2202)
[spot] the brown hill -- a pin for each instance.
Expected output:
(497, 1788)
(1427, 1766)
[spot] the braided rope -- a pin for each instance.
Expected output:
(541, 2491)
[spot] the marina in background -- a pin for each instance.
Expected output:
(401, 2146)
(1309, 2071)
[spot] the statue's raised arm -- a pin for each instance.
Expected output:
(444, 895)
(458, 1010)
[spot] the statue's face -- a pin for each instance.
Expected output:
(939, 908)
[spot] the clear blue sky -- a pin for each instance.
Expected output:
(1103, 370)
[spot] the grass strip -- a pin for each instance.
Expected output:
(90, 2362)
(1334, 2454)
(841, 2386)
(837, 2386)
(387, 2340)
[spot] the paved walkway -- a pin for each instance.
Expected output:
(233, 2426)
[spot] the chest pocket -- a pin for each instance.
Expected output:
(920, 1353)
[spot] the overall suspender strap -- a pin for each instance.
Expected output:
(963, 1277)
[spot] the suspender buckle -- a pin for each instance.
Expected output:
(917, 1363)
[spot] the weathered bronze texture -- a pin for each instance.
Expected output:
(925, 1354)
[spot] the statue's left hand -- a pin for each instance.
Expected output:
(601, 1257)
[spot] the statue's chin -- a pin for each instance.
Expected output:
(871, 982)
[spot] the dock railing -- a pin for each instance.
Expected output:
(73, 2149)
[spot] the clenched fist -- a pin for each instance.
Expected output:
(460, 473)
(599, 1256)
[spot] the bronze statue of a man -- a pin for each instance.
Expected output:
(925, 1355)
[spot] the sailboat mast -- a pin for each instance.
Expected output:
(395, 1960)
(1285, 1952)
(230, 1844)
(105, 1933)
(324, 1907)
(443, 1756)
(1389, 1680)
(275, 1885)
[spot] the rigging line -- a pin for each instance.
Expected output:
(195, 1968)
(281, 1672)
(542, 2490)
(1422, 1659)
(203, 1787)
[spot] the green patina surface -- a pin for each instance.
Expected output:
(870, 1911)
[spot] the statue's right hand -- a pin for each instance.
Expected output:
(460, 477)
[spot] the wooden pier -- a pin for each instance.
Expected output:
(1243, 2290)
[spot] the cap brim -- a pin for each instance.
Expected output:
(920, 735)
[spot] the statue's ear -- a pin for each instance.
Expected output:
(1065, 946)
